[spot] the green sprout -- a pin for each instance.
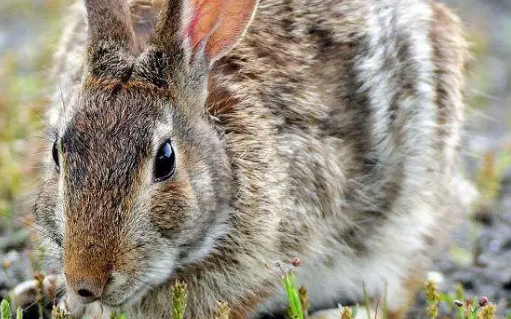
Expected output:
(179, 298)
(5, 309)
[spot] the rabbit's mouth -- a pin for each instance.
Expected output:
(125, 300)
(129, 288)
(130, 294)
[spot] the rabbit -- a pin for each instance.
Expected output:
(201, 141)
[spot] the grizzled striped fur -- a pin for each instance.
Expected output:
(329, 132)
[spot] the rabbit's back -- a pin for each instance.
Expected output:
(347, 115)
(363, 96)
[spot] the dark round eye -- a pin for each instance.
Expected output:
(165, 163)
(55, 154)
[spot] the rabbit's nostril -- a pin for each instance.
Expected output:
(85, 293)
(88, 289)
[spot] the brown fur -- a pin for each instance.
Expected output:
(328, 132)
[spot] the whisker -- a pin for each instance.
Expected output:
(62, 98)
(41, 116)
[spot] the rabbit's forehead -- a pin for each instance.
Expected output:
(116, 114)
(113, 121)
(109, 134)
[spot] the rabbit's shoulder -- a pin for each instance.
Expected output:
(358, 102)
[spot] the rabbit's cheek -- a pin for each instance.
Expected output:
(48, 212)
(172, 206)
(180, 215)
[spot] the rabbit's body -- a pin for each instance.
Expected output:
(331, 135)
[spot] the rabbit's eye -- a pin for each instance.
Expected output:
(55, 154)
(165, 164)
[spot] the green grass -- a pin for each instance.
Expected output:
(295, 309)
(5, 311)
(179, 300)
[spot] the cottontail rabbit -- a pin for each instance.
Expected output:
(201, 140)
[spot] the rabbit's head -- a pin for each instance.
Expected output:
(140, 183)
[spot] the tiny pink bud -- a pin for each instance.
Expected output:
(295, 262)
(458, 303)
(483, 301)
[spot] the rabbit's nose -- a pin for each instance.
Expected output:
(87, 271)
(88, 289)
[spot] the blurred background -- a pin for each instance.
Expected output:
(479, 255)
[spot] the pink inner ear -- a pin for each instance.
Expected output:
(202, 21)
(194, 21)
(219, 22)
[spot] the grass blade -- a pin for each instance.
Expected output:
(5, 309)
(295, 305)
(366, 300)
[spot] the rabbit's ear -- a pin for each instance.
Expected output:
(204, 29)
(217, 26)
(111, 37)
(144, 16)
